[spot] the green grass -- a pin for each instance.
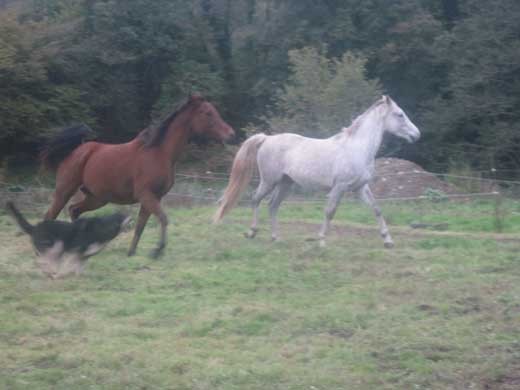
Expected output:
(462, 216)
(438, 311)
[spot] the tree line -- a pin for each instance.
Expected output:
(276, 65)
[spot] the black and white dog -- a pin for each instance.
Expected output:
(64, 247)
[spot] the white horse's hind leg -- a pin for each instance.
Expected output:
(368, 198)
(334, 196)
(282, 190)
(261, 192)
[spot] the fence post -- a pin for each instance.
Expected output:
(499, 218)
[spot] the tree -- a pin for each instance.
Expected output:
(322, 94)
(451, 65)
(476, 118)
(29, 103)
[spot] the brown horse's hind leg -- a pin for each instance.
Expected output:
(89, 203)
(68, 180)
(152, 204)
(62, 194)
(144, 214)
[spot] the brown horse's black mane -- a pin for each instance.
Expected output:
(153, 135)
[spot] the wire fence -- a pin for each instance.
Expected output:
(209, 185)
(418, 194)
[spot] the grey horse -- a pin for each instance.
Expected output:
(344, 162)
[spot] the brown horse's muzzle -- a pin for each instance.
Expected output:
(228, 134)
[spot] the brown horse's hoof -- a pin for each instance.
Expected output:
(131, 253)
(156, 253)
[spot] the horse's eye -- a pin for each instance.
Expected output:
(400, 115)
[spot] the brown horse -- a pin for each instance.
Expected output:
(140, 171)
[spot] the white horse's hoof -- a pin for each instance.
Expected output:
(251, 233)
(389, 245)
(323, 244)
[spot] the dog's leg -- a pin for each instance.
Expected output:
(49, 260)
(68, 265)
(92, 249)
(78, 262)
(80, 266)
(47, 266)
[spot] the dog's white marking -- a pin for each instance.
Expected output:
(70, 263)
(48, 261)
(93, 249)
(126, 223)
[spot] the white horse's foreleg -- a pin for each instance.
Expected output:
(261, 192)
(334, 196)
(280, 193)
(368, 198)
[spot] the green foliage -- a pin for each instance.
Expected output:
(187, 78)
(478, 108)
(321, 94)
(435, 195)
(29, 103)
(452, 65)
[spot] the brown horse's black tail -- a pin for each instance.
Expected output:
(61, 145)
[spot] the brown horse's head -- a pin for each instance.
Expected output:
(206, 121)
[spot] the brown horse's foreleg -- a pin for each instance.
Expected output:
(88, 203)
(152, 204)
(144, 214)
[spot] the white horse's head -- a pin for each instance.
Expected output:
(397, 122)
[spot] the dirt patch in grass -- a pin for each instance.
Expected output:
(509, 380)
(402, 178)
(367, 231)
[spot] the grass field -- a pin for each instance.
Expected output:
(439, 311)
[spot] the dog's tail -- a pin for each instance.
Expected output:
(241, 174)
(24, 224)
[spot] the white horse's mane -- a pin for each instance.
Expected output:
(356, 123)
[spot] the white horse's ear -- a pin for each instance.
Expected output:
(384, 98)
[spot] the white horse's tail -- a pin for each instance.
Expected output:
(241, 174)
